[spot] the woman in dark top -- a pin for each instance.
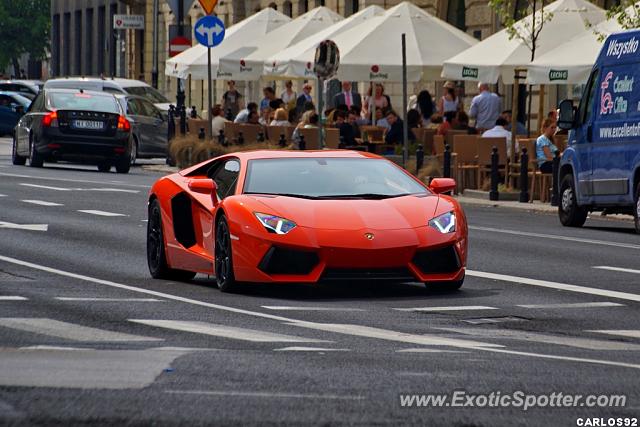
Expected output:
(425, 106)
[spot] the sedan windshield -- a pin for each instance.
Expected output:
(147, 92)
(83, 101)
(328, 178)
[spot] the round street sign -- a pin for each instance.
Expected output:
(178, 44)
(209, 31)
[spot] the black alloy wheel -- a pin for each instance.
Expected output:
(571, 215)
(223, 257)
(134, 151)
(35, 158)
(156, 257)
(636, 210)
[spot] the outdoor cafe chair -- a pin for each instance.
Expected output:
(485, 150)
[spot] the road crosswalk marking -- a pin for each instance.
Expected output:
(101, 213)
(573, 305)
(622, 333)
(12, 298)
(70, 331)
(223, 331)
(41, 203)
(453, 308)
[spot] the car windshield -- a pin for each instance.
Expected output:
(148, 92)
(83, 101)
(21, 99)
(328, 178)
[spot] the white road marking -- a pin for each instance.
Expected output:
(554, 285)
(269, 316)
(265, 394)
(30, 227)
(46, 187)
(429, 350)
(223, 331)
(109, 299)
(13, 175)
(3, 195)
(101, 213)
(574, 305)
(623, 270)
(310, 349)
(585, 343)
(70, 331)
(12, 298)
(41, 203)
(453, 308)
(389, 335)
(303, 308)
(622, 333)
(555, 237)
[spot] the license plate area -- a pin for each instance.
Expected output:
(87, 124)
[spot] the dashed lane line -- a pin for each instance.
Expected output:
(303, 308)
(82, 181)
(555, 237)
(108, 299)
(622, 270)
(12, 298)
(101, 213)
(554, 285)
(573, 305)
(246, 394)
(623, 333)
(41, 203)
(48, 187)
(310, 349)
(453, 308)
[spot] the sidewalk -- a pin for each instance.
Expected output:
(536, 206)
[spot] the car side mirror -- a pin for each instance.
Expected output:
(205, 186)
(442, 185)
(566, 117)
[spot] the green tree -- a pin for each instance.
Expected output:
(24, 28)
(627, 14)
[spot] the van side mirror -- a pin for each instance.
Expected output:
(567, 115)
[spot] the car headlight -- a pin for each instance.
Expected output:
(445, 223)
(275, 224)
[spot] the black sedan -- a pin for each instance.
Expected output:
(149, 127)
(76, 126)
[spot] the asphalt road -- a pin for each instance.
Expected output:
(87, 337)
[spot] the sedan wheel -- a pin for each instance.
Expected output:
(35, 158)
(224, 260)
(134, 151)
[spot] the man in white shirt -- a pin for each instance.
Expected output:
(218, 120)
(485, 107)
(499, 131)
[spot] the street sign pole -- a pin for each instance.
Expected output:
(180, 91)
(209, 117)
(154, 68)
(405, 127)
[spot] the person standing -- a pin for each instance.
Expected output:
(231, 99)
(424, 104)
(289, 95)
(348, 97)
(485, 108)
(304, 98)
(450, 101)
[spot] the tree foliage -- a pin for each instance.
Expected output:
(525, 30)
(24, 28)
(627, 13)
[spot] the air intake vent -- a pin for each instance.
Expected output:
(443, 260)
(288, 261)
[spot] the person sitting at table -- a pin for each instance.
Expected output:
(435, 121)
(218, 120)
(413, 119)
(395, 135)
(243, 115)
(461, 122)
(265, 116)
(347, 135)
(381, 119)
(352, 119)
(545, 148)
(500, 131)
(447, 123)
(280, 118)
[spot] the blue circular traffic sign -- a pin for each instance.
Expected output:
(209, 31)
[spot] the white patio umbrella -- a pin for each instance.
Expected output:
(297, 60)
(251, 67)
(572, 61)
(244, 34)
(371, 51)
(497, 56)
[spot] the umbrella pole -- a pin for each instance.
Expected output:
(320, 112)
(541, 106)
(405, 130)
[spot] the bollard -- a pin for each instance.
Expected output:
(282, 142)
(524, 176)
(419, 158)
(183, 120)
(555, 188)
(194, 112)
(493, 194)
(172, 123)
(229, 115)
(302, 144)
(201, 134)
(447, 161)
(221, 139)
(240, 138)
(260, 136)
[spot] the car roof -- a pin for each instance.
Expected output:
(117, 80)
(69, 90)
(288, 154)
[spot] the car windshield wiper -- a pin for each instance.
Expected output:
(371, 196)
(300, 196)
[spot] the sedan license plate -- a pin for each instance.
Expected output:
(88, 124)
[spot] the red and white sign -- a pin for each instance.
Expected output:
(178, 44)
(128, 22)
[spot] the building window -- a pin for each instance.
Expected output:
(77, 42)
(351, 7)
(101, 41)
(273, 6)
(303, 6)
(55, 46)
(286, 9)
(88, 40)
(66, 42)
(456, 14)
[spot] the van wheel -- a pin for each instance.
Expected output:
(571, 215)
(636, 211)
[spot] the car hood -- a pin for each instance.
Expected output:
(387, 214)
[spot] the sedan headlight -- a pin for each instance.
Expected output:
(445, 223)
(275, 224)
